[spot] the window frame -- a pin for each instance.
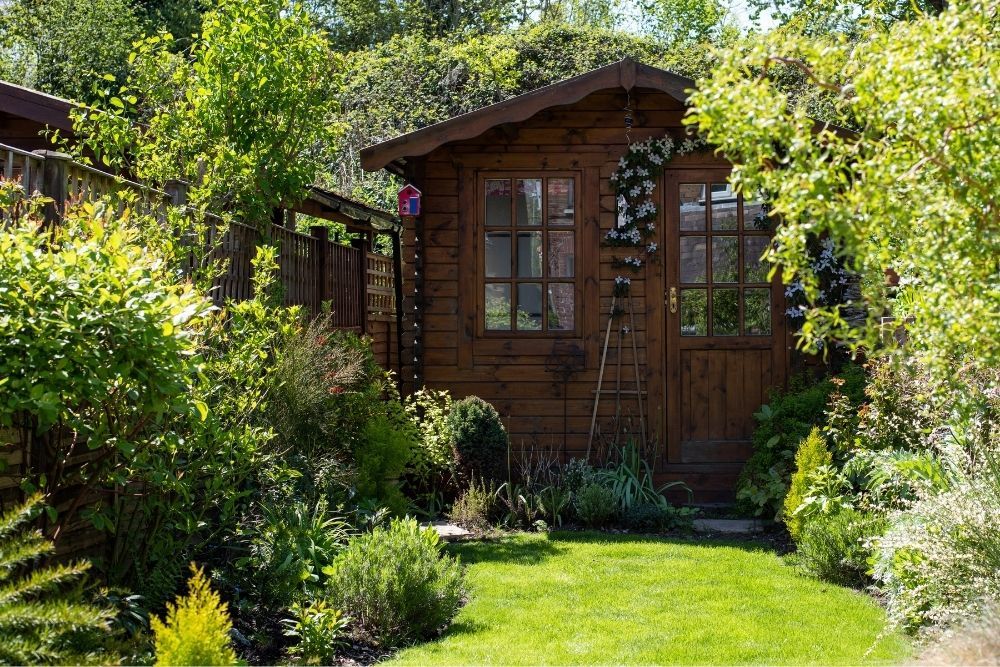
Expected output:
(481, 229)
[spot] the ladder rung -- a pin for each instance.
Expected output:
(615, 391)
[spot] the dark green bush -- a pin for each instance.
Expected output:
(831, 547)
(655, 518)
(595, 505)
(781, 425)
(387, 444)
(395, 583)
(479, 439)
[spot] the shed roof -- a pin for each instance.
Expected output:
(35, 105)
(626, 74)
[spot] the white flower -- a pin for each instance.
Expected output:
(651, 248)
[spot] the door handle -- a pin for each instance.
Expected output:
(673, 299)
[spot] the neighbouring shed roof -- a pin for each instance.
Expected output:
(35, 106)
(353, 214)
(625, 74)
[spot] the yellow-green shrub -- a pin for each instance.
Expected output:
(196, 629)
(811, 454)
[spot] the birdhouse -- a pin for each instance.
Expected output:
(409, 201)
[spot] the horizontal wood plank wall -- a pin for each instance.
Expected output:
(519, 377)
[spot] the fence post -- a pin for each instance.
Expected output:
(178, 191)
(54, 182)
(323, 291)
(362, 246)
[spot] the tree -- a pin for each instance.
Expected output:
(62, 46)
(913, 190)
(412, 81)
(246, 113)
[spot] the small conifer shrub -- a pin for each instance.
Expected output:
(479, 439)
(42, 619)
(196, 629)
(811, 455)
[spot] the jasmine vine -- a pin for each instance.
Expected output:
(635, 180)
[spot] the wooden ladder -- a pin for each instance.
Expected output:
(629, 330)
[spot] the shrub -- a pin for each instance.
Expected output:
(395, 583)
(812, 454)
(428, 410)
(654, 518)
(523, 504)
(196, 628)
(781, 424)
(42, 619)
(475, 507)
(941, 553)
(832, 547)
(318, 628)
(381, 457)
(479, 439)
(975, 642)
(595, 505)
(576, 474)
(290, 546)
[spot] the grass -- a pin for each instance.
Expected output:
(593, 598)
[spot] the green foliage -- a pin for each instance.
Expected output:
(244, 113)
(63, 47)
(479, 439)
(475, 507)
(909, 191)
(96, 338)
(289, 549)
(318, 628)
(595, 505)
(412, 81)
(577, 473)
(631, 481)
(395, 584)
(832, 547)
(196, 628)
(432, 459)
(386, 448)
(42, 616)
(812, 454)
(648, 517)
(781, 424)
(523, 505)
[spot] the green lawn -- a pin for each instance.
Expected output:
(578, 598)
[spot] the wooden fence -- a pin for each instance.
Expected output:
(356, 285)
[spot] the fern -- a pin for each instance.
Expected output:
(42, 617)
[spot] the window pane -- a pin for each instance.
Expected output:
(561, 307)
(723, 207)
(529, 202)
(529, 254)
(692, 207)
(498, 202)
(529, 306)
(755, 271)
(725, 259)
(498, 254)
(694, 312)
(725, 312)
(693, 259)
(498, 306)
(753, 214)
(561, 201)
(757, 312)
(561, 258)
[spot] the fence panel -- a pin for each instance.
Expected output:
(26, 167)
(380, 289)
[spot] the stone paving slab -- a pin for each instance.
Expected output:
(728, 525)
(448, 532)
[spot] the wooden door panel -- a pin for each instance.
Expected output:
(717, 372)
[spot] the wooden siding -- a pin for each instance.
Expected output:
(520, 376)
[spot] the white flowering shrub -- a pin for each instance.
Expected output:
(940, 558)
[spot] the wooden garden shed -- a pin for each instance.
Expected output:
(511, 267)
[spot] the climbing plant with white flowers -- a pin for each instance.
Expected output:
(635, 180)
